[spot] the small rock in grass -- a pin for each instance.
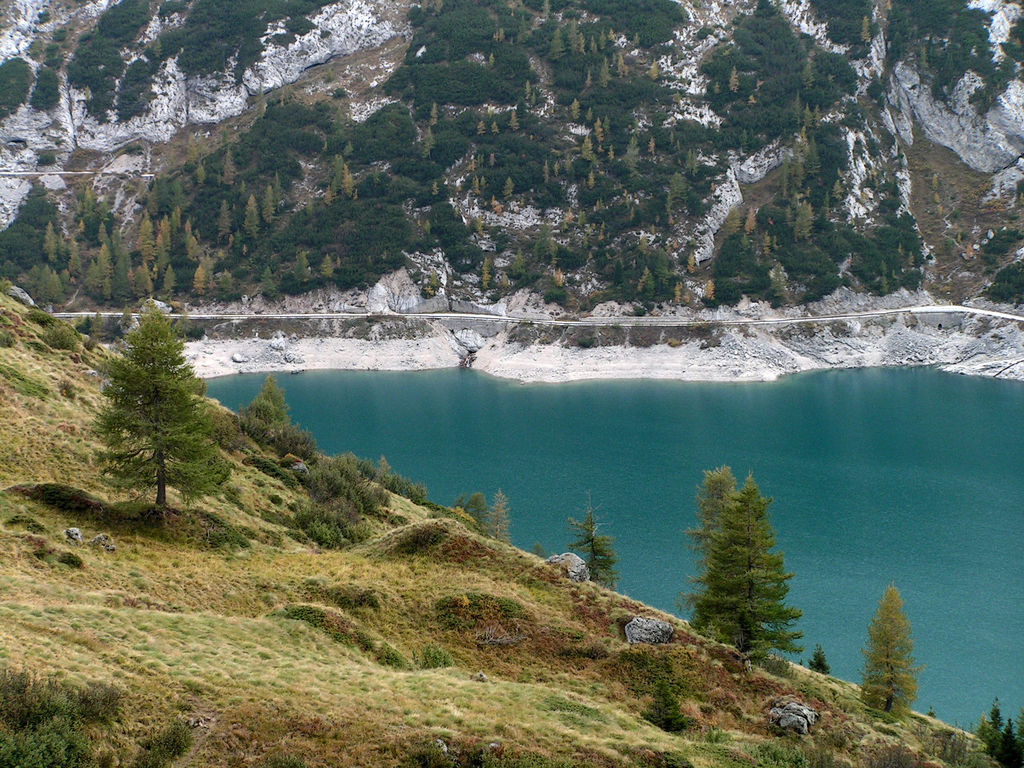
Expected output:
(644, 630)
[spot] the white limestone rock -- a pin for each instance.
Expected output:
(725, 197)
(470, 339)
(572, 564)
(761, 163)
(987, 143)
(394, 293)
(20, 294)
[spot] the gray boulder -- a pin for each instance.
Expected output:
(644, 630)
(103, 541)
(572, 564)
(238, 357)
(20, 294)
(791, 715)
(73, 536)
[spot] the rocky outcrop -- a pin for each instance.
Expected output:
(572, 564)
(790, 715)
(987, 143)
(725, 197)
(644, 630)
(73, 536)
(761, 163)
(469, 339)
(20, 294)
(104, 542)
(397, 292)
(339, 29)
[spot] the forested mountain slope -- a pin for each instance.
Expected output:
(641, 151)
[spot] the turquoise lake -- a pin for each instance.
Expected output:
(910, 476)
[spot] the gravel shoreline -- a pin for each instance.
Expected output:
(970, 345)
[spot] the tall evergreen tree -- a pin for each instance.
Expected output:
(740, 596)
(597, 549)
(889, 682)
(499, 522)
(155, 426)
(713, 496)
(818, 661)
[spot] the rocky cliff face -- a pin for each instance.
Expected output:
(986, 142)
(338, 29)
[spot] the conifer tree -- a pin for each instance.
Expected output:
(223, 221)
(557, 46)
(251, 222)
(499, 522)
(597, 549)
(818, 661)
(713, 496)
(50, 243)
(170, 280)
(155, 427)
(476, 507)
(740, 597)
(889, 682)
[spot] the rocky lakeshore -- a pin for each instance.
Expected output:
(751, 343)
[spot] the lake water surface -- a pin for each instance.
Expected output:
(909, 476)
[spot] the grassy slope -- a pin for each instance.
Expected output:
(189, 631)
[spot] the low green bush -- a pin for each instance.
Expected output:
(774, 754)
(70, 559)
(160, 750)
(28, 522)
(351, 597)
(776, 665)
(67, 499)
(664, 710)
(420, 538)
(268, 467)
(216, 533)
(432, 656)
(24, 385)
(470, 609)
(43, 722)
(40, 318)
(391, 657)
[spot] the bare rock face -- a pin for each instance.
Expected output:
(339, 29)
(573, 565)
(791, 715)
(644, 630)
(761, 163)
(20, 294)
(987, 143)
(470, 339)
(394, 293)
(726, 197)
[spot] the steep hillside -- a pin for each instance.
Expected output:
(678, 154)
(425, 643)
